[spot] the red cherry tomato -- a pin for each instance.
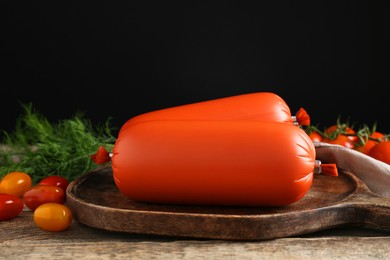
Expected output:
(381, 152)
(41, 194)
(315, 137)
(15, 183)
(341, 130)
(53, 217)
(340, 134)
(370, 143)
(55, 180)
(340, 140)
(10, 206)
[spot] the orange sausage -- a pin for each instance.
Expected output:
(233, 163)
(264, 106)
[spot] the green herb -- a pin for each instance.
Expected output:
(41, 148)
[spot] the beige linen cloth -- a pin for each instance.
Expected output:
(374, 173)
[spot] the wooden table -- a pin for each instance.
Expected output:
(21, 239)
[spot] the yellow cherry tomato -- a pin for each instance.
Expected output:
(15, 183)
(53, 216)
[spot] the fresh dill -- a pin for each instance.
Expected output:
(42, 148)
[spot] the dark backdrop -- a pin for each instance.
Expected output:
(117, 60)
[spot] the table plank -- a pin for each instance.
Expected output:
(21, 239)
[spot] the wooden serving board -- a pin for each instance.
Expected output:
(331, 202)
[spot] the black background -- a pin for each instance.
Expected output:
(118, 60)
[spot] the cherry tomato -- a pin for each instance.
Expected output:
(15, 183)
(315, 137)
(10, 206)
(53, 216)
(55, 180)
(41, 194)
(381, 152)
(342, 129)
(340, 140)
(370, 143)
(339, 134)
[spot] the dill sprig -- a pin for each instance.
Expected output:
(42, 148)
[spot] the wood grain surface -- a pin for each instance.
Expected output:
(21, 239)
(331, 202)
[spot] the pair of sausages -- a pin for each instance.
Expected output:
(244, 150)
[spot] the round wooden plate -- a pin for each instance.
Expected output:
(331, 202)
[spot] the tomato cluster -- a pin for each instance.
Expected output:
(46, 199)
(366, 140)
